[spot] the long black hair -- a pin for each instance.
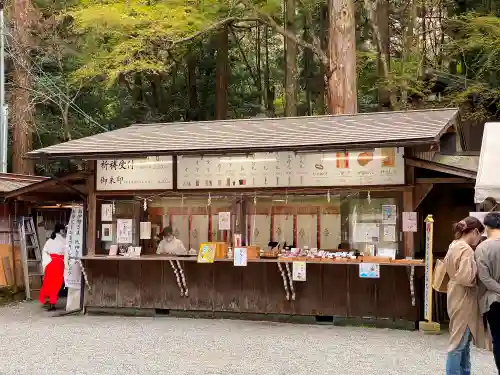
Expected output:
(57, 229)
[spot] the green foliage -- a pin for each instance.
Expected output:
(112, 63)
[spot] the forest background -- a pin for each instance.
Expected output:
(80, 67)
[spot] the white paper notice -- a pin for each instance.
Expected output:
(369, 271)
(224, 220)
(107, 232)
(389, 233)
(145, 230)
(124, 231)
(299, 271)
(410, 222)
(367, 232)
(386, 253)
(107, 212)
(240, 257)
(389, 214)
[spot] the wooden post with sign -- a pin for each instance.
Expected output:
(428, 326)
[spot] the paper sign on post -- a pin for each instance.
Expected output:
(107, 232)
(389, 214)
(107, 212)
(224, 220)
(389, 233)
(240, 257)
(410, 222)
(124, 231)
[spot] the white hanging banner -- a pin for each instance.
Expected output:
(74, 243)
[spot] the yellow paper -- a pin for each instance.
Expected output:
(207, 252)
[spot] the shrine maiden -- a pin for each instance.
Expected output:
(53, 261)
(170, 244)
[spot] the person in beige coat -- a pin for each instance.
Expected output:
(462, 296)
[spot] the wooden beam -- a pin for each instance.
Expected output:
(421, 191)
(445, 180)
(437, 167)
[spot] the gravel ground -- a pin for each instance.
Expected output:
(32, 342)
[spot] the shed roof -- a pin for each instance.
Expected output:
(10, 181)
(377, 129)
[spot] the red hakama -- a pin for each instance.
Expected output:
(52, 280)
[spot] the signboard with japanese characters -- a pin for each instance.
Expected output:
(381, 166)
(74, 242)
(151, 173)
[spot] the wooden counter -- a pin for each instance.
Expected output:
(401, 262)
(148, 282)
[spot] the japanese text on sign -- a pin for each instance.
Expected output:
(74, 243)
(151, 173)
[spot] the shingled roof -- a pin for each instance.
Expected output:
(257, 134)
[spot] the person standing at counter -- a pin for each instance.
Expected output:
(170, 245)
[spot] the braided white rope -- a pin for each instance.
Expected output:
(412, 285)
(290, 280)
(177, 277)
(285, 285)
(183, 279)
(85, 277)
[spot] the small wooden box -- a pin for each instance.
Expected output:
(253, 252)
(221, 249)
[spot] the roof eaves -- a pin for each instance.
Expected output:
(309, 148)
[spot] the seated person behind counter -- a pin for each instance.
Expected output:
(170, 245)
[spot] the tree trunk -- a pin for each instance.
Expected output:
(408, 45)
(222, 72)
(378, 14)
(341, 80)
(268, 91)
(290, 61)
(308, 63)
(323, 36)
(192, 112)
(258, 69)
(21, 109)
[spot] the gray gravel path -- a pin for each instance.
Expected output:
(117, 345)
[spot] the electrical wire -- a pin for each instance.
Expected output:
(60, 95)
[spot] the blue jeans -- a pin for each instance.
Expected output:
(458, 362)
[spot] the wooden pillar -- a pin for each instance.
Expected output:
(408, 237)
(408, 206)
(91, 209)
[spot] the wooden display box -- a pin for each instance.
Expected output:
(253, 252)
(221, 249)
